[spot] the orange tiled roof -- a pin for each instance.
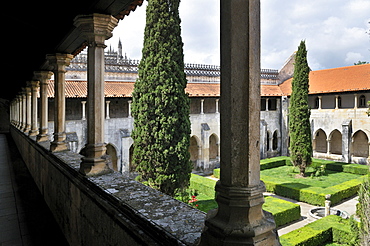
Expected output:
(271, 90)
(124, 89)
(352, 78)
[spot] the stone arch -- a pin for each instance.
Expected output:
(275, 140)
(319, 141)
(132, 167)
(268, 136)
(194, 149)
(360, 144)
(112, 152)
(335, 138)
(213, 146)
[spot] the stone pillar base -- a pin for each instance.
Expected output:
(59, 143)
(33, 133)
(239, 219)
(95, 161)
(42, 136)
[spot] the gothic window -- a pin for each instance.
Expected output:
(317, 102)
(339, 102)
(362, 102)
(274, 141)
(272, 104)
(263, 104)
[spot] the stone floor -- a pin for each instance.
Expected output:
(24, 217)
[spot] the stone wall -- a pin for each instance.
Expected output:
(106, 210)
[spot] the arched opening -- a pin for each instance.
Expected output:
(213, 147)
(320, 144)
(268, 141)
(362, 101)
(194, 150)
(360, 144)
(112, 152)
(336, 142)
(275, 141)
(132, 167)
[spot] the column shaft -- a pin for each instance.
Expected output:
(43, 77)
(95, 28)
(34, 89)
(239, 219)
(58, 62)
(28, 109)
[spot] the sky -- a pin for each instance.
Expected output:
(336, 32)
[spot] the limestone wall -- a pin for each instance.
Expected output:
(107, 210)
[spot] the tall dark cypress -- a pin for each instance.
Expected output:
(299, 113)
(160, 105)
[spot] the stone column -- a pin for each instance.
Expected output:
(328, 146)
(201, 106)
(95, 28)
(43, 77)
(346, 140)
(129, 108)
(239, 219)
(356, 101)
(320, 101)
(267, 104)
(217, 100)
(58, 63)
(107, 110)
(83, 110)
(24, 109)
(19, 111)
(34, 89)
(27, 129)
(336, 102)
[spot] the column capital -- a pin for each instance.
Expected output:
(96, 28)
(33, 84)
(59, 61)
(42, 76)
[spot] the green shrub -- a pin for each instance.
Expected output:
(216, 173)
(329, 229)
(203, 185)
(273, 162)
(283, 211)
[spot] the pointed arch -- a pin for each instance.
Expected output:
(319, 141)
(335, 138)
(194, 148)
(213, 146)
(360, 144)
(112, 152)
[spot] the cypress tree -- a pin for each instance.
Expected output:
(160, 106)
(299, 113)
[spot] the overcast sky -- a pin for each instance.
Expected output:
(336, 31)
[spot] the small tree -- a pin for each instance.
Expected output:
(299, 113)
(364, 211)
(160, 106)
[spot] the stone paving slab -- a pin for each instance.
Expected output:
(24, 216)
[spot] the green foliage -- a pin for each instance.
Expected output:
(364, 211)
(160, 106)
(283, 211)
(328, 229)
(299, 113)
(339, 184)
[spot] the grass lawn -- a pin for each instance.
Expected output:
(286, 174)
(282, 181)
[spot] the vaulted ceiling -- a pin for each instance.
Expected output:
(32, 29)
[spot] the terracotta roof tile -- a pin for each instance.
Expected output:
(352, 78)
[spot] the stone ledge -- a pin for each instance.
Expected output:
(144, 214)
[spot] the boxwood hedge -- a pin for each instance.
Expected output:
(328, 229)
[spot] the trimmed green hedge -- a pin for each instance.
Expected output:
(328, 229)
(283, 211)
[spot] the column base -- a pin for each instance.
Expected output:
(94, 163)
(59, 143)
(33, 133)
(42, 136)
(239, 219)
